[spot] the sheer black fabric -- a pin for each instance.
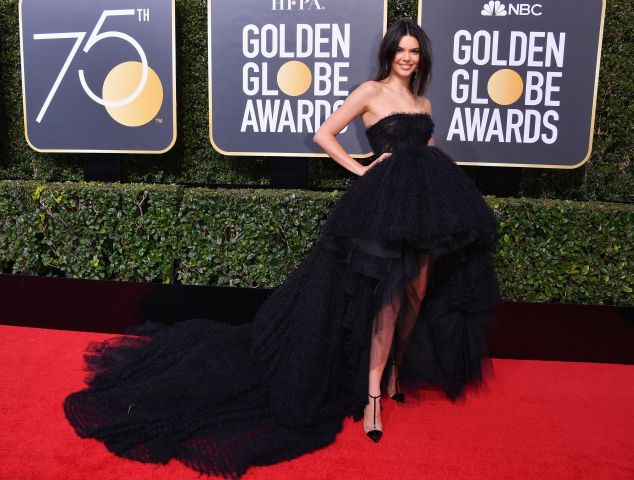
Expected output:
(220, 398)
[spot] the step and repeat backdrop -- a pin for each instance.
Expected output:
(99, 75)
(514, 84)
(278, 68)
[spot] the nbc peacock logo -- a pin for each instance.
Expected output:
(494, 8)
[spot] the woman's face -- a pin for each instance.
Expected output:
(407, 56)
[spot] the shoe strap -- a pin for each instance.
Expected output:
(374, 409)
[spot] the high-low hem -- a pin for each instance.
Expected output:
(220, 398)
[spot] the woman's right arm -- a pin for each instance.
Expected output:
(355, 105)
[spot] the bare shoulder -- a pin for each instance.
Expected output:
(426, 104)
(369, 89)
(362, 97)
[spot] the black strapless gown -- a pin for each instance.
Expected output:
(220, 398)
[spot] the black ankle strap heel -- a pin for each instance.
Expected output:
(374, 434)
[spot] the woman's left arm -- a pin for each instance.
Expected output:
(431, 142)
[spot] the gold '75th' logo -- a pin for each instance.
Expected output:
(132, 92)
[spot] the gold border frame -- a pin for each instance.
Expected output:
(174, 133)
(594, 106)
(262, 154)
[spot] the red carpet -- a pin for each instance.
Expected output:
(534, 420)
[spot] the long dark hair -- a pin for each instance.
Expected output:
(420, 79)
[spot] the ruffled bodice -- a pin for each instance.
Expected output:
(391, 133)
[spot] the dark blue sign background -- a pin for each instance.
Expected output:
(228, 23)
(73, 121)
(580, 21)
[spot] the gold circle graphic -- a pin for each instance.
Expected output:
(294, 78)
(121, 82)
(505, 86)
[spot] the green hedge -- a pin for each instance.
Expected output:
(607, 176)
(561, 251)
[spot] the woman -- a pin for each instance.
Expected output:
(398, 119)
(402, 270)
(405, 66)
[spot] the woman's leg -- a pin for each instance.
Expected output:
(382, 335)
(414, 297)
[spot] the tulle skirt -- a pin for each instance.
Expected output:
(220, 398)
